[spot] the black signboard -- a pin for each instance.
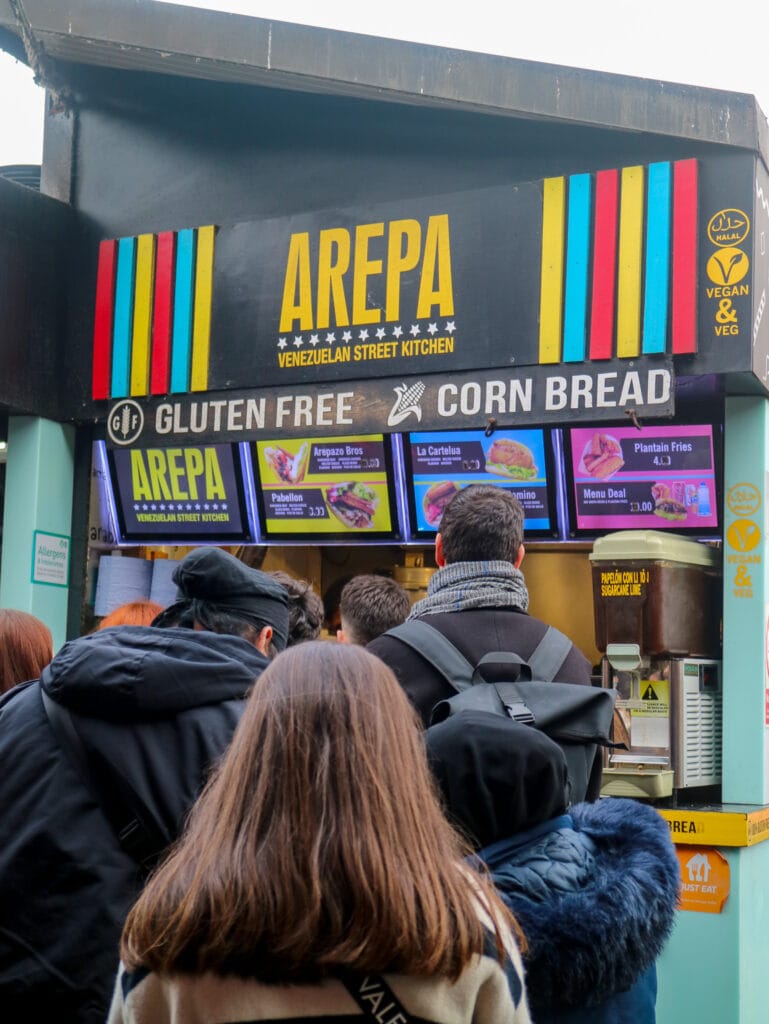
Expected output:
(179, 494)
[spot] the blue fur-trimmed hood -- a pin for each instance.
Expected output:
(595, 895)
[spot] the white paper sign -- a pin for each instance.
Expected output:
(50, 559)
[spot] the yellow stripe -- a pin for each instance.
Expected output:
(201, 330)
(551, 285)
(142, 326)
(631, 217)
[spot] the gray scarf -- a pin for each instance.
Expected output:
(464, 585)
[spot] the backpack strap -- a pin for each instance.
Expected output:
(549, 655)
(545, 660)
(436, 649)
(116, 801)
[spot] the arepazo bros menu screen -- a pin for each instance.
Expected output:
(661, 477)
(331, 485)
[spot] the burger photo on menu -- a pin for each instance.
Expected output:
(436, 498)
(510, 458)
(289, 468)
(665, 505)
(353, 504)
(602, 456)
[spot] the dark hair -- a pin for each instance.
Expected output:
(26, 647)
(190, 613)
(370, 605)
(305, 608)
(318, 843)
(331, 597)
(135, 613)
(482, 523)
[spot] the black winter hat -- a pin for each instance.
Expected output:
(498, 777)
(216, 577)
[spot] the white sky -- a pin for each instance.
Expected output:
(699, 42)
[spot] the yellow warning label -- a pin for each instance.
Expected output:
(655, 698)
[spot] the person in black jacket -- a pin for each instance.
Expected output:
(152, 709)
(594, 886)
(477, 598)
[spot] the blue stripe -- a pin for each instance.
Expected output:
(577, 254)
(657, 269)
(181, 341)
(123, 324)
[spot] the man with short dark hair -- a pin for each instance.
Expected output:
(477, 598)
(369, 606)
(121, 728)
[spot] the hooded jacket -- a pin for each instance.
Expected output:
(594, 888)
(156, 706)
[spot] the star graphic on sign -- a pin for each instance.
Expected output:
(206, 507)
(450, 326)
(162, 508)
(331, 337)
(346, 335)
(153, 508)
(363, 334)
(414, 330)
(144, 508)
(137, 506)
(216, 507)
(197, 507)
(432, 328)
(189, 507)
(281, 342)
(380, 332)
(314, 339)
(298, 341)
(397, 331)
(224, 506)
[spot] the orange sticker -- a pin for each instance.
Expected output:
(704, 879)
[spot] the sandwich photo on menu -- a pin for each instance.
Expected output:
(353, 504)
(510, 458)
(436, 499)
(289, 468)
(665, 505)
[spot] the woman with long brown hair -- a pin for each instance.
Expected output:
(317, 877)
(26, 647)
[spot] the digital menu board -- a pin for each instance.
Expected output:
(179, 494)
(326, 487)
(438, 464)
(658, 477)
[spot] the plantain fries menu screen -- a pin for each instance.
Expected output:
(331, 486)
(658, 477)
(438, 464)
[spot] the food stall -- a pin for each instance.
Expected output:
(316, 282)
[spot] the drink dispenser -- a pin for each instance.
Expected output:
(657, 600)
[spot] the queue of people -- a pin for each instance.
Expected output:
(210, 814)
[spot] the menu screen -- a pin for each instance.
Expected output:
(329, 486)
(172, 494)
(659, 477)
(441, 463)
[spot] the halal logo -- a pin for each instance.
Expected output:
(728, 227)
(125, 422)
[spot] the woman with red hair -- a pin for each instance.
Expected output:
(26, 647)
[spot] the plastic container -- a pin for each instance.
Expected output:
(659, 590)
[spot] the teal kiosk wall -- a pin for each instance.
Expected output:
(713, 970)
(37, 521)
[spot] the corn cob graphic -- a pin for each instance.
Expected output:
(407, 399)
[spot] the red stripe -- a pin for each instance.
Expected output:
(160, 371)
(103, 318)
(683, 317)
(604, 265)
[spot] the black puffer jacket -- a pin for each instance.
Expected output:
(157, 705)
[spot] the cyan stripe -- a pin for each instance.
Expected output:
(181, 342)
(123, 323)
(657, 270)
(577, 256)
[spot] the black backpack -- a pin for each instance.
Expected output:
(575, 716)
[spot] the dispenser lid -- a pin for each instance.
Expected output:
(653, 546)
